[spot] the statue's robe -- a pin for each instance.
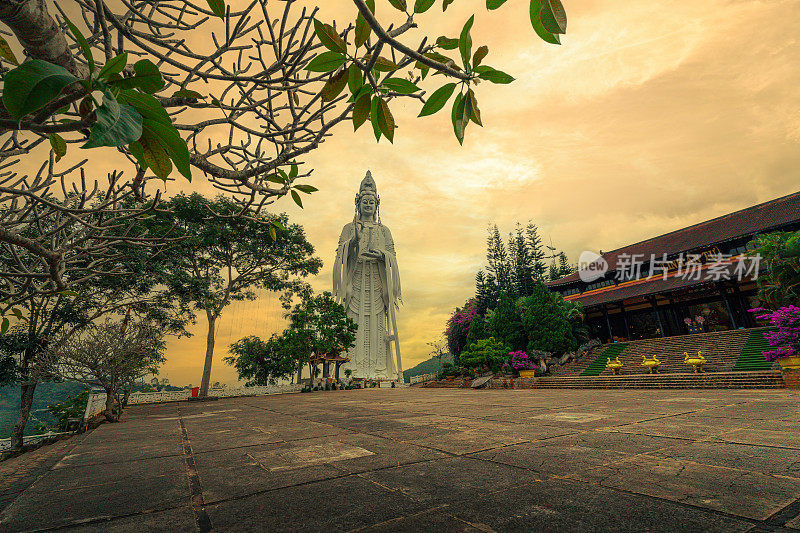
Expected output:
(367, 288)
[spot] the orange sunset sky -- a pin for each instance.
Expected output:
(651, 116)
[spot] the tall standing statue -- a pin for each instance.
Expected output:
(367, 282)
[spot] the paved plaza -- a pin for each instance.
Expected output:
(425, 459)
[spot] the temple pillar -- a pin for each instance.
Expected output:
(608, 324)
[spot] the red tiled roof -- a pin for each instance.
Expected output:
(756, 219)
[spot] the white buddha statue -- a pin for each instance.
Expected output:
(367, 282)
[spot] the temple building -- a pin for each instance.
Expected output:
(696, 279)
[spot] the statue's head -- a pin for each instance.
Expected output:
(367, 199)
(368, 184)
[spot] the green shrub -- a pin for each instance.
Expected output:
(486, 353)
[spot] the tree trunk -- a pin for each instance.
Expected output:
(25, 403)
(299, 372)
(212, 319)
(109, 413)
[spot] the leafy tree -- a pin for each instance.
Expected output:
(486, 353)
(262, 363)
(522, 262)
(113, 354)
(545, 322)
(277, 65)
(223, 256)
(505, 324)
(325, 324)
(478, 327)
(779, 272)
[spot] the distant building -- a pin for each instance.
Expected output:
(686, 281)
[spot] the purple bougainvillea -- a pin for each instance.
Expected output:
(786, 336)
(521, 361)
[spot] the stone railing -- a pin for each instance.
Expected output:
(97, 401)
(422, 378)
(5, 444)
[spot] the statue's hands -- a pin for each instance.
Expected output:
(374, 254)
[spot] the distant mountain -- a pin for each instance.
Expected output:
(426, 367)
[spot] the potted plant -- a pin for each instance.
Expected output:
(522, 363)
(785, 338)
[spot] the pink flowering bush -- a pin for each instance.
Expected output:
(786, 337)
(521, 361)
(458, 327)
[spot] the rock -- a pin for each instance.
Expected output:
(480, 382)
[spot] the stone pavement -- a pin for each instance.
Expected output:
(424, 459)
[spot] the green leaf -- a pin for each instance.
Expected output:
(329, 38)
(373, 117)
(400, 85)
(385, 65)
(4, 326)
(137, 151)
(326, 62)
(421, 6)
(363, 30)
(293, 171)
(457, 116)
(370, 5)
(465, 42)
(147, 78)
(447, 43)
(117, 124)
(296, 198)
(446, 3)
(68, 293)
(188, 93)
(274, 178)
(113, 66)
(217, 7)
(361, 111)
(334, 86)
(553, 16)
(308, 189)
(278, 224)
(536, 22)
(6, 52)
(146, 104)
(438, 99)
(272, 233)
(479, 54)
(33, 85)
(494, 4)
(495, 76)
(87, 52)
(385, 120)
(474, 111)
(155, 156)
(59, 146)
(355, 78)
(399, 4)
(17, 313)
(172, 142)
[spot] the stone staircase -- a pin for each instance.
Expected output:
(734, 361)
(763, 379)
(722, 349)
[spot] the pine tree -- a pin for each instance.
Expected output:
(497, 257)
(522, 262)
(481, 296)
(534, 243)
(564, 266)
